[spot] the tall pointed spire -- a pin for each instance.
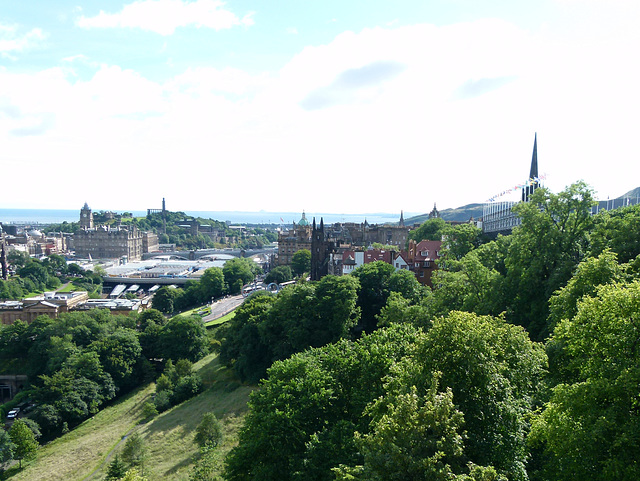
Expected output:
(532, 182)
(401, 223)
(533, 174)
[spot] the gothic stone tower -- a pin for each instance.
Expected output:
(86, 217)
(3, 256)
(319, 252)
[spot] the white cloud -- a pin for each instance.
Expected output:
(13, 40)
(164, 16)
(449, 118)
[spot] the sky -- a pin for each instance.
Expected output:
(323, 106)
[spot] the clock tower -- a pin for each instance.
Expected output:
(86, 217)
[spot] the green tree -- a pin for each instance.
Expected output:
(238, 272)
(589, 428)
(617, 230)
(302, 421)
(336, 312)
(75, 270)
(545, 249)
(24, 440)
(183, 368)
(310, 315)
(7, 448)
(415, 437)
(400, 310)
(209, 432)
(493, 370)
(18, 259)
(151, 315)
(120, 354)
(212, 284)
(459, 240)
(590, 273)
(285, 329)
(374, 290)
(243, 346)
(208, 466)
(149, 410)
(431, 229)
(301, 262)
(279, 275)
(467, 285)
(406, 284)
(117, 469)
(56, 265)
(186, 388)
(134, 452)
(164, 299)
(184, 337)
(150, 324)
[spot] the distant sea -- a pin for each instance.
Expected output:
(57, 216)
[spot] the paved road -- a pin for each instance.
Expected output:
(223, 306)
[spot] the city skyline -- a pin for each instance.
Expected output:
(325, 107)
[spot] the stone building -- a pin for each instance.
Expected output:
(150, 242)
(105, 242)
(50, 304)
(320, 251)
(365, 234)
(294, 240)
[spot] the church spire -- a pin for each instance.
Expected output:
(401, 223)
(533, 174)
(532, 182)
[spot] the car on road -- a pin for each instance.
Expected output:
(13, 413)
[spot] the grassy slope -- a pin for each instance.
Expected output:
(168, 437)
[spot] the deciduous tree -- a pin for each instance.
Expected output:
(209, 432)
(431, 229)
(24, 441)
(184, 337)
(544, 250)
(589, 428)
(301, 262)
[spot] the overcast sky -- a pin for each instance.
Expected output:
(328, 106)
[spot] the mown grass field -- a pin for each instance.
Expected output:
(82, 454)
(220, 320)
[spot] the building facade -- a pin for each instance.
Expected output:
(106, 242)
(50, 304)
(293, 240)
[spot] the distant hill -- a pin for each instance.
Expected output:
(464, 213)
(459, 214)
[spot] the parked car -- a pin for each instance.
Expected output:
(13, 413)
